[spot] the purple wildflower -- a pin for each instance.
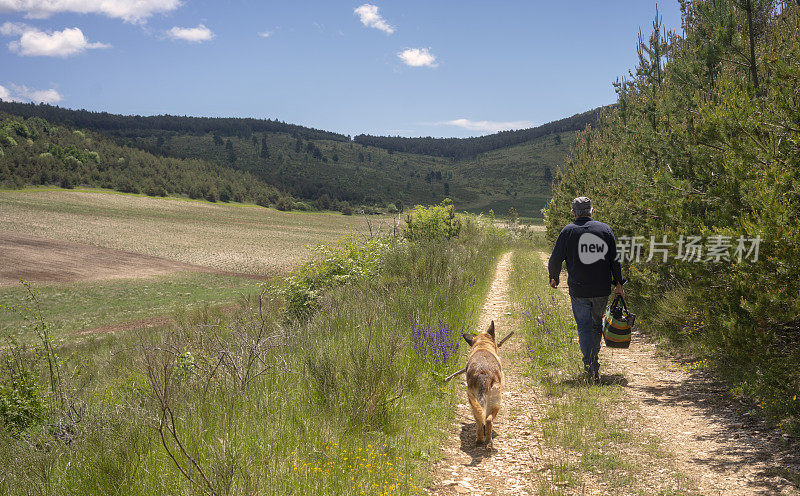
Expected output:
(438, 344)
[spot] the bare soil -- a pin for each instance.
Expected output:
(43, 260)
(720, 442)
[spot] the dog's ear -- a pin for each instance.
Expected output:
(469, 339)
(490, 331)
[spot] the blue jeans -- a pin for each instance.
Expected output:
(588, 314)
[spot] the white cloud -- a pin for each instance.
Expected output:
(13, 28)
(25, 94)
(265, 34)
(370, 18)
(418, 57)
(5, 94)
(44, 96)
(195, 35)
(487, 126)
(127, 10)
(70, 41)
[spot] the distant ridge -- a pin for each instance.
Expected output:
(273, 163)
(123, 125)
(469, 147)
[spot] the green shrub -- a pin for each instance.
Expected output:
(331, 265)
(284, 204)
(5, 139)
(436, 222)
(22, 401)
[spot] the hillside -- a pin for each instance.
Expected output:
(273, 163)
(470, 147)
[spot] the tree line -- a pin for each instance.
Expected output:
(704, 143)
(137, 125)
(457, 148)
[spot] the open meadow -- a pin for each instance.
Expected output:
(228, 237)
(104, 261)
(313, 386)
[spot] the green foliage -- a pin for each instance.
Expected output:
(471, 147)
(344, 262)
(437, 222)
(197, 156)
(704, 142)
(248, 401)
(59, 156)
(6, 139)
(22, 401)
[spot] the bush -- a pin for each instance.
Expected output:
(153, 190)
(331, 265)
(433, 223)
(23, 403)
(391, 208)
(284, 204)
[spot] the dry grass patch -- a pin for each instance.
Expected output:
(236, 238)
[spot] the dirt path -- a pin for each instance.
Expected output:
(469, 469)
(712, 438)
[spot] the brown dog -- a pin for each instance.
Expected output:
(484, 381)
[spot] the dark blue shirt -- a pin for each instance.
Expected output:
(590, 250)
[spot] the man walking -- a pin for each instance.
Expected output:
(590, 250)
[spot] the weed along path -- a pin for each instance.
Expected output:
(467, 468)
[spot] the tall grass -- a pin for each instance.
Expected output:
(334, 401)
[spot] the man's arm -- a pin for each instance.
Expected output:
(616, 268)
(557, 258)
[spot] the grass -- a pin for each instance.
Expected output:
(253, 240)
(253, 402)
(77, 307)
(588, 428)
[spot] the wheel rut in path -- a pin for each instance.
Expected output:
(468, 468)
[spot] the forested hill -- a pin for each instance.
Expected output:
(137, 125)
(287, 166)
(469, 147)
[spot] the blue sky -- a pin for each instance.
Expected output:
(410, 68)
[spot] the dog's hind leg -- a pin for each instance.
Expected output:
(480, 415)
(494, 401)
(489, 423)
